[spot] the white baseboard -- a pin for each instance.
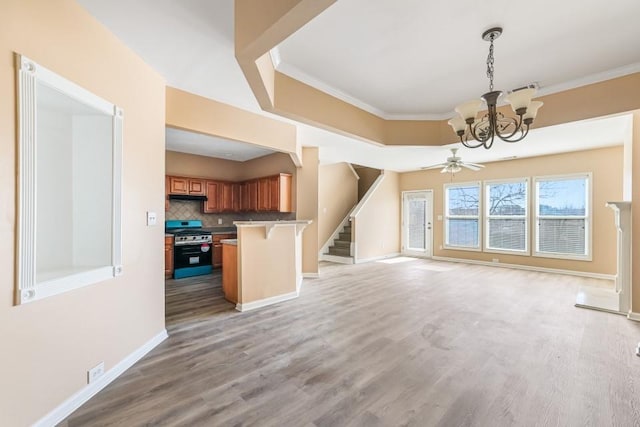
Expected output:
(78, 399)
(337, 259)
(266, 301)
(310, 275)
(633, 316)
(377, 258)
(528, 268)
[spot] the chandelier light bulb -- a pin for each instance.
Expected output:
(469, 110)
(520, 99)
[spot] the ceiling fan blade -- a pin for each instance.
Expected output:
(444, 170)
(439, 165)
(471, 166)
(475, 164)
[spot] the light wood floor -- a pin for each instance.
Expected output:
(419, 343)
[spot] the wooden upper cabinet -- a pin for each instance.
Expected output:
(227, 197)
(197, 187)
(214, 195)
(252, 194)
(280, 193)
(178, 185)
(235, 197)
(190, 186)
(264, 196)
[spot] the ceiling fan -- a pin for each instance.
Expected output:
(454, 164)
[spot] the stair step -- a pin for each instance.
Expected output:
(345, 236)
(342, 243)
(346, 229)
(333, 250)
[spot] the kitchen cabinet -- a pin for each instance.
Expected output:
(217, 248)
(168, 257)
(190, 186)
(213, 191)
(280, 193)
(197, 187)
(252, 191)
(264, 196)
(230, 272)
(235, 197)
(227, 197)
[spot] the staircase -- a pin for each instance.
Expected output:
(340, 251)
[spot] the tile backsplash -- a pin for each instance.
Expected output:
(190, 209)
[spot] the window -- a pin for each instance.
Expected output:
(507, 216)
(563, 216)
(69, 222)
(462, 216)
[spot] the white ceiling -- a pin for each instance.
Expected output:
(190, 43)
(205, 145)
(419, 59)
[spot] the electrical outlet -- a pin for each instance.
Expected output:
(440, 247)
(439, 217)
(152, 218)
(495, 260)
(219, 221)
(96, 372)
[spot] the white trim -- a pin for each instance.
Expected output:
(378, 258)
(29, 75)
(611, 277)
(310, 275)
(353, 171)
(87, 392)
(367, 195)
(337, 259)
(266, 301)
(633, 316)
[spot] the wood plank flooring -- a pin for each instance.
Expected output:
(417, 343)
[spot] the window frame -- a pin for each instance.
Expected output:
(28, 74)
(527, 216)
(447, 217)
(588, 217)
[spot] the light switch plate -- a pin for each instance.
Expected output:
(152, 218)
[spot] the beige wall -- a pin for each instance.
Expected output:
(635, 241)
(307, 208)
(376, 227)
(266, 267)
(48, 345)
(183, 164)
(606, 166)
(337, 195)
(367, 176)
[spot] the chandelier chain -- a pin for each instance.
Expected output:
(490, 67)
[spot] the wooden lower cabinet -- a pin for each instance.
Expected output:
(230, 272)
(168, 257)
(217, 248)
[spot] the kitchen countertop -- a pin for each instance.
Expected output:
(229, 242)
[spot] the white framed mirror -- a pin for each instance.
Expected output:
(69, 185)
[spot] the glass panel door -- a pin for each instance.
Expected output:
(417, 223)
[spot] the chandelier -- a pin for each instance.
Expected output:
(481, 133)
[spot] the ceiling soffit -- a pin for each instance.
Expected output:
(259, 31)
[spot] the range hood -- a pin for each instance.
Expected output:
(187, 197)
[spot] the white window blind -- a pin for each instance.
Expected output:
(462, 215)
(507, 216)
(563, 216)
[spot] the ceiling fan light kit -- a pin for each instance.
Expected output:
(481, 133)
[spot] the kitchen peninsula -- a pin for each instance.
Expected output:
(268, 256)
